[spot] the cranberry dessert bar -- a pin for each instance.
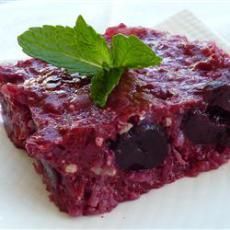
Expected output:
(160, 123)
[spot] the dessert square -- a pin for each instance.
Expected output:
(160, 123)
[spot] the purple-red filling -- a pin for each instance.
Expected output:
(160, 123)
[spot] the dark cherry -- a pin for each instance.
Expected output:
(145, 146)
(213, 125)
(217, 93)
(219, 115)
(206, 128)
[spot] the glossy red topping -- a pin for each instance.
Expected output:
(50, 114)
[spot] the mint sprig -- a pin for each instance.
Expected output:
(81, 49)
(103, 84)
(131, 52)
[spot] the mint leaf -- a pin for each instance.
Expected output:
(103, 84)
(78, 49)
(92, 46)
(81, 49)
(131, 52)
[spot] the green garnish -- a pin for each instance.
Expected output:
(81, 49)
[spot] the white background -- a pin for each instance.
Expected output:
(201, 202)
(18, 15)
(215, 13)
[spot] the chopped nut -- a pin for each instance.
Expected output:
(99, 141)
(58, 140)
(30, 99)
(105, 171)
(110, 172)
(71, 168)
(71, 106)
(168, 121)
(96, 170)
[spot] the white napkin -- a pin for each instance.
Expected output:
(199, 202)
(187, 24)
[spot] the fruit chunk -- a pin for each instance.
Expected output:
(218, 94)
(143, 147)
(202, 128)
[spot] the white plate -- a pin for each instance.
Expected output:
(190, 202)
